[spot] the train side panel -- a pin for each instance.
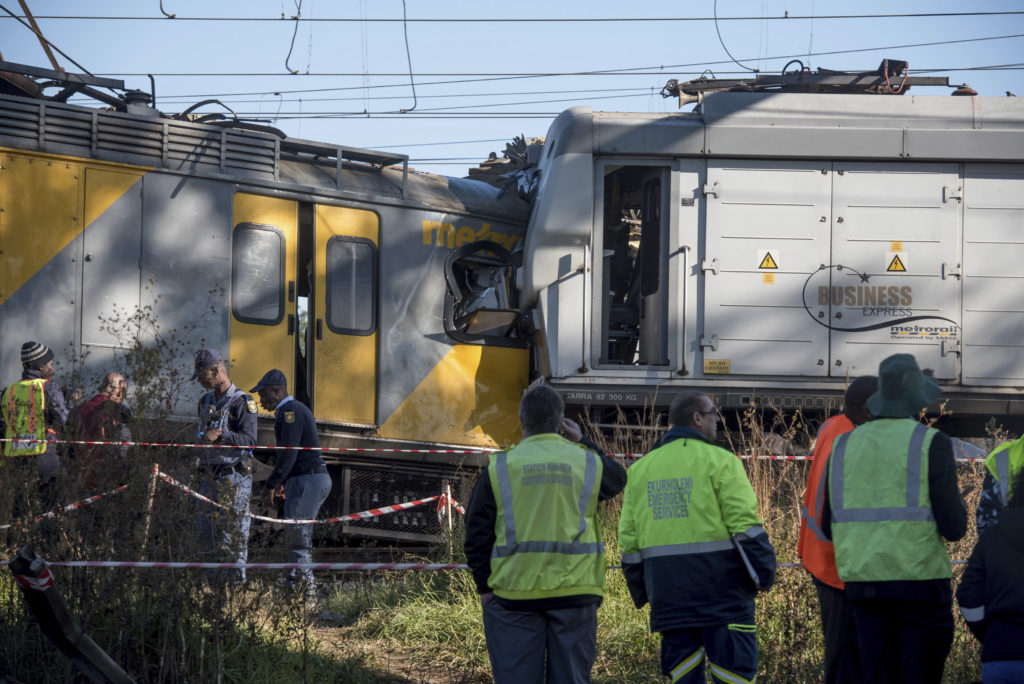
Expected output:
(773, 246)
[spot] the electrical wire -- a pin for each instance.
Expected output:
(542, 20)
(408, 56)
(494, 76)
(298, 14)
(44, 39)
(722, 42)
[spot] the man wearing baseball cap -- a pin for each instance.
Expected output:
(891, 499)
(33, 412)
(227, 416)
(300, 475)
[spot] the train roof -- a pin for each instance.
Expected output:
(143, 137)
(804, 125)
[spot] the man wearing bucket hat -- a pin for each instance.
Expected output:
(891, 499)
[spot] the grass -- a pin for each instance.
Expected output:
(436, 619)
(171, 626)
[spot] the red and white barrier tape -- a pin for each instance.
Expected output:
(41, 583)
(256, 447)
(260, 566)
(69, 507)
(447, 499)
(372, 513)
(297, 566)
(393, 450)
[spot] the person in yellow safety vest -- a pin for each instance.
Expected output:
(842, 663)
(891, 499)
(1002, 466)
(692, 544)
(535, 549)
(33, 412)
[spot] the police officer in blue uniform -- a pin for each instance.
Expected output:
(300, 476)
(226, 416)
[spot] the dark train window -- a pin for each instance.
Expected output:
(257, 274)
(351, 286)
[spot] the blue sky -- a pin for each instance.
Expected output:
(471, 95)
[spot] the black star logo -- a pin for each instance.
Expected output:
(864, 277)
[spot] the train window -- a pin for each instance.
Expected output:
(257, 274)
(480, 306)
(351, 286)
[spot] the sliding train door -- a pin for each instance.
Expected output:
(344, 319)
(263, 271)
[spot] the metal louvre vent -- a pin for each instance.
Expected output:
(189, 145)
(19, 122)
(111, 136)
(128, 136)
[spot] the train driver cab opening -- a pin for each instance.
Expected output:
(481, 304)
(633, 292)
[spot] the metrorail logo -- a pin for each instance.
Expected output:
(866, 306)
(921, 332)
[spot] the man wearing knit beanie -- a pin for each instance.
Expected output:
(33, 411)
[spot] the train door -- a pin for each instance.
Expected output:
(767, 232)
(895, 266)
(344, 315)
(631, 289)
(264, 319)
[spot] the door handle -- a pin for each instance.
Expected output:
(319, 329)
(291, 324)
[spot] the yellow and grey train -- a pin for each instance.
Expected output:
(765, 247)
(336, 265)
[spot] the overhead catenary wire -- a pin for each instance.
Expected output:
(722, 42)
(497, 76)
(537, 20)
(624, 71)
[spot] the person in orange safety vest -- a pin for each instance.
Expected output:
(817, 553)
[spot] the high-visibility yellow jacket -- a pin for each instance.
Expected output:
(24, 409)
(882, 521)
(683, 504)
(547, 541)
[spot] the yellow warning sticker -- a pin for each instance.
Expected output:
(768, 278)
(897, 262)
(896, 246)
(716, 366)
(767, 260)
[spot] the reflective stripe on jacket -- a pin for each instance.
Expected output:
(815, 550)
(24, 412)
(882, 522)
(683, 503)
(1005, 462)
(547, 541)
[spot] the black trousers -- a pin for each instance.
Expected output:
(842, 655)
(903, 641)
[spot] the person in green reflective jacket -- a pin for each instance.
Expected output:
(891, 499)
(534, 547)
(693, 546)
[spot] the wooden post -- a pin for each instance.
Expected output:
(149, 507)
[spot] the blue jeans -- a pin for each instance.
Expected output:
(1002, 671)
(304, 495)
(224, 534)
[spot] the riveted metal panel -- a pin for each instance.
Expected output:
(894, 226)
(993, 251)
(766, 234)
